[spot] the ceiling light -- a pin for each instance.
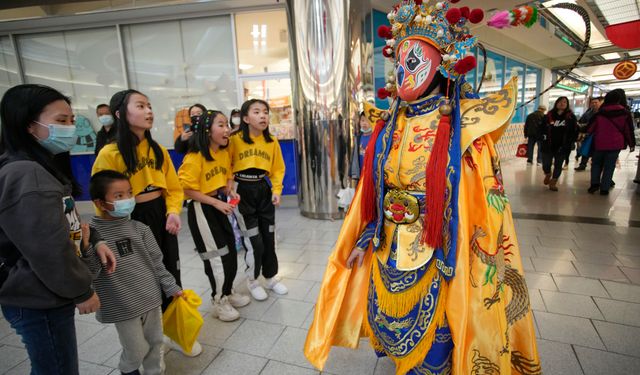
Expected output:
(245, 66)
(618, 11)
(610, 56)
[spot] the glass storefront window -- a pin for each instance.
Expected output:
(532, 83)
(516, 69)
(8, 65)
(180, 63)
(494, 76)
(263, 42)
(83, 64)
(276, 92)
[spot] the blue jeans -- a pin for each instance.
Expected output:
(602, 168)
(49, 336)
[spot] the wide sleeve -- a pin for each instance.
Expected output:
(276, 175)
(37, 227)
(167, 281)
(190, 171)
(173, 195)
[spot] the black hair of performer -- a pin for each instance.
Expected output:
(256, 155)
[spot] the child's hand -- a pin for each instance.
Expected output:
(275, 199)
(173, 224)
(107, 258)
(178, 294)
(223, 207)
(86, 233)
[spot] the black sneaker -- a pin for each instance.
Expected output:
(579, 168)
(604, 192)
(593, 189)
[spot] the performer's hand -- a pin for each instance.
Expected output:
(355, 254)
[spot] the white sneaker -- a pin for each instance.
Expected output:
(238, 300)
(277, 286)
(257, 291)
(196, 349)
(223, 310)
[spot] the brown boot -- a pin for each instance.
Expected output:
(553, 184)
(547, 178)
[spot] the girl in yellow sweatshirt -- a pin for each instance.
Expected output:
(255, 154)
(206, 177)
(152, 175)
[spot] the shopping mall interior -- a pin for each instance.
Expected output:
(580, 253)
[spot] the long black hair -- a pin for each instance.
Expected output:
(20, 106)
(197, 105)
(127, 140)
(555, 106)
(201, 139)
(616, 96)
(244, 127)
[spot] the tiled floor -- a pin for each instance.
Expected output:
(584, 282)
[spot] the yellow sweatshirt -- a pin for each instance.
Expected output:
(200, 174)
(261, 155)
(145, 174)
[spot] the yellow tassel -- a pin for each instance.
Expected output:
(419, 352)
(398, 305)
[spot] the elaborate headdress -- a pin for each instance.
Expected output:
(440, 25)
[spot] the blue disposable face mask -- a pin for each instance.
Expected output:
(61, 138)
(105, 120)
(122, 208)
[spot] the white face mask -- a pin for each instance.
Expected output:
(235, 120)
(105, 120)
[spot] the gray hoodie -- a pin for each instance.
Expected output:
(38, 221)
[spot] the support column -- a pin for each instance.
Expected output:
(331, 54)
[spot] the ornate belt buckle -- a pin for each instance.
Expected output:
(401, 207)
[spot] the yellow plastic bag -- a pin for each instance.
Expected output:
(182, 321)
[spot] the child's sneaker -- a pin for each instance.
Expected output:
(257, 291)
(196, 349)
(223, 310)
(238, 300)
(277, 287)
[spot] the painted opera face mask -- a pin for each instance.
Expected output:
(416, 65)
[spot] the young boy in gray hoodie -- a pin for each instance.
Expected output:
(131, 295)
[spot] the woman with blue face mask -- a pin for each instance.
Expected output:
(42, 276)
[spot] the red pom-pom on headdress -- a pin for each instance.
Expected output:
(453, 15)
(476, 15)
(383, 93)
(384, 31)
(453, 1)
(465, 65)
(418, 2)
(387, 52)
(465, 12)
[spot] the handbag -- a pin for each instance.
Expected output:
(521, 152)
(182, 321)
(585, 147)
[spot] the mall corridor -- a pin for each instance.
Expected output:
(580, 253)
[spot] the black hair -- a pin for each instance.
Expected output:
(20, 107)
(234, 111)
(100, 182)
(197, 105)
(201, 139)
(102, 105)
(127, 140)
(244, 127)
(555, 106)
(616, 96)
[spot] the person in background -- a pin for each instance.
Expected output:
(583, 124)
(107, 133)
(612, 129)
(362, 140)
(532, 126)
(42, 276)
(234, 120)
(131, 296)
(182, 142)
(559, 132)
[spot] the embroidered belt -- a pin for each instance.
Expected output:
(402, 206)
(249, 177)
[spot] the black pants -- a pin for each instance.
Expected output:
(256, 219)
(553, 158)
(213, 236)
(154, 214)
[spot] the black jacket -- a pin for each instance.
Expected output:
(559, 132)
(532, 125)
(104, 137)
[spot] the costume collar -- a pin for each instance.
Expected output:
(424, 105)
